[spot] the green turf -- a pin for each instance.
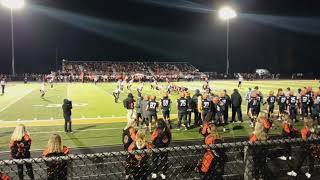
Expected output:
(23, 102)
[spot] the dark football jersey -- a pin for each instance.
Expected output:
(205, 105)
(309, 95)
(254, 103)
(165, 103)
(304, 100)
(259, 99)
(271, 100)
(130, 103)
(153, 105)
(282, 100)
(182, 104)
(292, 100)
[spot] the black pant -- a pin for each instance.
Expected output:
(189, 117)
(67, 124)
(182, 115)
(226, 114)
(236, 110)
(153, 117)
(304, 111)
(309, 108)
(197, 117)
(29, 171)
(2, 86)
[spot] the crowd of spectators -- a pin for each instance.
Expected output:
(110, 71)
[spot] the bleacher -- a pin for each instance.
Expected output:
(128, 68)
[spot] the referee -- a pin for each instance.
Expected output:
(66, 107)
(3, 85)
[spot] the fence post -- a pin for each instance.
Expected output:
(248, 163)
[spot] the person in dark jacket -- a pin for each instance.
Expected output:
(236, 101)
(197, 114)
(67, 106)
(161, 138)
(129, 104)
(20, 145)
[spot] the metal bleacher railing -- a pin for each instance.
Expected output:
(241, 162)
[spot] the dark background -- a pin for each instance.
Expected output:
(149, 32)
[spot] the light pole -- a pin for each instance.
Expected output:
(12, 5)
(227, 13)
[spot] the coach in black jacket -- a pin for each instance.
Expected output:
(66, 107)
(197, 115)
(236, 101)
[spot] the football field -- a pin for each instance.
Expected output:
(97, 120)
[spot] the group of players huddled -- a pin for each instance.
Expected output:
(303, 103)
(214, 108)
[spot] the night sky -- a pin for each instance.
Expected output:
(123, 30)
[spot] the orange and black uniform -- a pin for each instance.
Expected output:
(305, 152)
(288, 132)
(4, 177)
(138, 165)
(128, 136)
(213, 160)
(259, 156)
(57, 169)
(161, 138)
(21, 150)
(204, 129)
(266, 124)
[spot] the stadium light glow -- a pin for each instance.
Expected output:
(226, 13)
(13, 4)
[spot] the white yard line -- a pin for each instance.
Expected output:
(85, 130)
(14, 101)
(48, 120)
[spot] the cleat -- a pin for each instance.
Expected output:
(163, 176)
(308, 175)
(282, 158)
(153, 175)
(292, 173)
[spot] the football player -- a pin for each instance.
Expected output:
(165, 105)
(271, 101)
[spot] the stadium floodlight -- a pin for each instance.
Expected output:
(226, 13)
(12, 5)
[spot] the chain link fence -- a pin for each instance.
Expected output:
(241, 160)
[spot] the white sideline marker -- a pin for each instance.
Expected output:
(35, 119)
(51, 118)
